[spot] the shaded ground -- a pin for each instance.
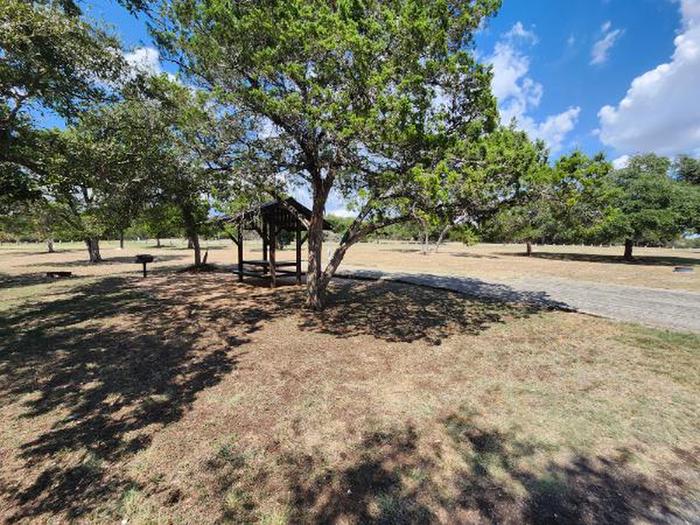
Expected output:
(660, 308)
(191, 398)
(645, 260)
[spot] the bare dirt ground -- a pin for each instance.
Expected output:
(194, 399)
(652, 268)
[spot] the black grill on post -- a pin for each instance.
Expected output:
(144, 258)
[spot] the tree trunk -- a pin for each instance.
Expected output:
(442, 236)
(425, 234)
(93, 247)
(197, 249)
(157, 242)
(528, 248)
(190, 246)
(628, 250)
(426, 242)
(121, 240)
(192, 233)
(314, 286)
(49, 246)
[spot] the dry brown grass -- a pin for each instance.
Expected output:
(193, 399)
(653, 267)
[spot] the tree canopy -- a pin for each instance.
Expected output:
(356, 97)
(52, 60)
(654, 207)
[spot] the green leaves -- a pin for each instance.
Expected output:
(343, 81)
(53, 58)
(655, 207)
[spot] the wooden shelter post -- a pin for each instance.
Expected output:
(264, 240)
(298, 242)
(272, 247)
(240, 252)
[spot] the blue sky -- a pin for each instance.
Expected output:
(560, 53)
(557, 66)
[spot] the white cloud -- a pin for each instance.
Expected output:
(144, 60)
(602, 46)
(661, 110)
(519, 31)
(621, 162)
(517, 93)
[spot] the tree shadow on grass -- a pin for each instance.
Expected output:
(4, 250)
(98, 369)
(468, 255)
(583, 489)
(405, 313)
(648, 260)
(118, 364)
(396, 311)
(26, 279)
(477, 474)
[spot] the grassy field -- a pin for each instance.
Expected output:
(190, 398)
(653, 267)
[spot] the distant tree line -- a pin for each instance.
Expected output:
(652, 201)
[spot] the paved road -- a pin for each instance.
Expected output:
(660, 308)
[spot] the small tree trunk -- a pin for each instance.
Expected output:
(157, 242)
(425, 234)
(528, 248)
(197, 250)
(442, 236)
(93, 247)
(192, 233)
(49, 246)
(628, 249)
(314, 288)
(121, 240)
(190, 246)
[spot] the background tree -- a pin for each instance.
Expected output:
(200, 141)
(573, 201)
(355, 96)
(655, 208)
(44, 222)
(687, 169)
(583, 200)
(477, 179)
(99, 169)
(527, 220)
(160, 220)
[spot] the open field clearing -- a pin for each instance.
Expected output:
(653, 267)
(190, 398)
(591, 280)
